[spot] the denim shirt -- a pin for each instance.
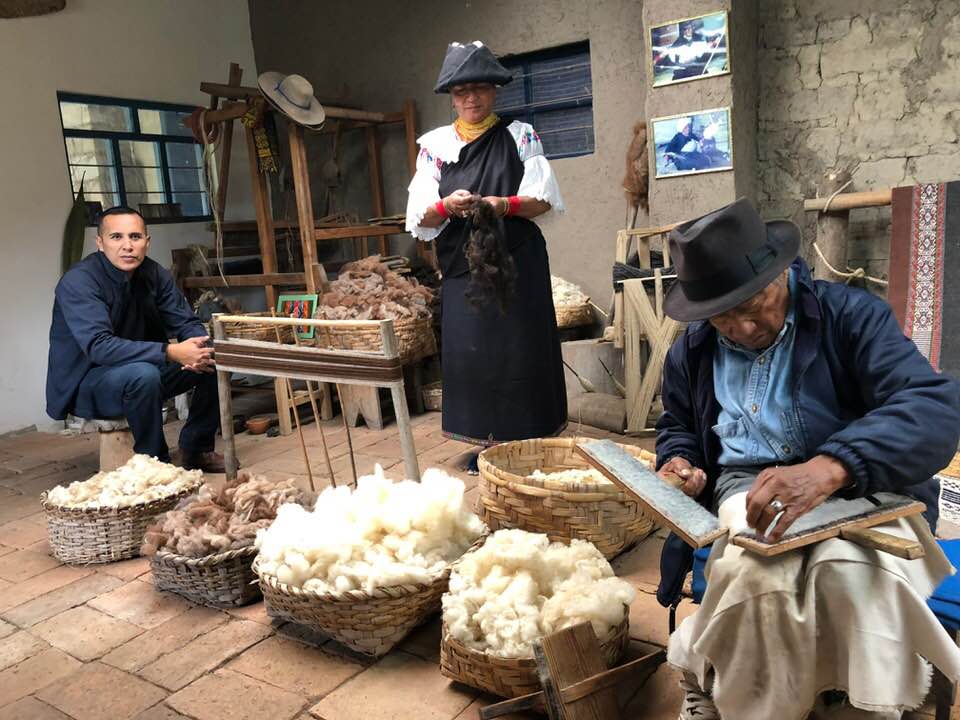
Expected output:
(758, 422)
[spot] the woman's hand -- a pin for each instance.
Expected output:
(798, 488)
(499, 204)
(458, 202)
(694, 479)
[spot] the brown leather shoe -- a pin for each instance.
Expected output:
(208, 462)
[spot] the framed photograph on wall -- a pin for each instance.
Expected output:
(695, 142)
(689, 49)
(298, 306)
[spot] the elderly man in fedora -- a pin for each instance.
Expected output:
(782, 392)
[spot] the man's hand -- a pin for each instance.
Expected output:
(193, 354)
(694, 479)
(800, 488)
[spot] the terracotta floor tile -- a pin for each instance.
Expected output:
(4, 550)
(659, 698)
(85, 633)
(294, 667)
(97, 691)
(6, 629)
(424, 641)
(17, 507)
(33, 674)
(63, 598)
(38, 585)
(165, 638)
(21, 534)
(21, 565)
(257, 612)
(127, 569)
(649, 619)
(161, 712)
(29, 708)
(472, 712)
(226, 694)
(18, 647)
(398, 681)
(641, 563)
(141, 603)
(200, 656)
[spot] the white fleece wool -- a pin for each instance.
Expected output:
(142, 479)
(379, 535)
(519, 587)
(572, 476)
(566, 293)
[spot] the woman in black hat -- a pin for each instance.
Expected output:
(502, 369)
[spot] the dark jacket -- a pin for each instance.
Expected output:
(91, 316)
(865, 394)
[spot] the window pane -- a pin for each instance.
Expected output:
(88, 116)
(184, 154)
(139, 153)
(142, 179)
(563, 78)
(105, 200)
(135, 200)
(511, 95)
(565, 131)
(89, 151)
(95, 179)
(163, 122)
(193, 204)
(186, 179)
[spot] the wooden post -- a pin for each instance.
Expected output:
(261, 204)
(226, 409)
(376, 181)
(410, 126)
(832, 229)
(398, 395)
(236, 74)
(301, 184)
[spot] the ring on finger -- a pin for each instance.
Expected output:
(776, 505)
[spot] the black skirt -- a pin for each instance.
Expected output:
(503, 373)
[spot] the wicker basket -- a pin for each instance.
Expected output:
(600, 513)
(370, 623)
(224, 579)
(415, 339)
(574, 315)
(267, 333)
(513, 677)
(83, 536)
(433, 396)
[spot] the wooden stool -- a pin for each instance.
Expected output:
(116, 443)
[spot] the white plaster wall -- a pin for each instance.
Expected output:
(153, 50)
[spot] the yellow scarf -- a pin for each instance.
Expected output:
(468, 132)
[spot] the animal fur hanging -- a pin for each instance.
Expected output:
(636, 182)
(493, 272)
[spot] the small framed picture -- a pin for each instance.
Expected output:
(298, 306)
(689, 49)
(695, 142)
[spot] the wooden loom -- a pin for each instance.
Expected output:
(368, 369)
(850, 519)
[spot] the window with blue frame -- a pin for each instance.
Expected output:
(553, 91)
(134, 153)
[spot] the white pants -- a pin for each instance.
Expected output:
(776, 632)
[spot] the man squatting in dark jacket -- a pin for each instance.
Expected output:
(110, 356)
(782, 392)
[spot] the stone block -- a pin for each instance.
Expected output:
(294, 667)
(18, 647)
(830, 30)
(85, 633)
(808, 58)
(232, 695)
(142, 604)
(98, 691)
(935, 168)
(880, 174)
(31, 675)
(165, 638)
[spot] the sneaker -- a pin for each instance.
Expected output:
(208, 462)
(697, 705)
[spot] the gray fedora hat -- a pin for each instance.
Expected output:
(725, 258)
(293, 96)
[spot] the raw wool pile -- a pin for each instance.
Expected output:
(382, 534)
(141, 480)
(519, 587)
(566, 294)
(222, 518)
(572, 476)
(368, 290)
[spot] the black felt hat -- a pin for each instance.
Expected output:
(470, 63)
(725, 258)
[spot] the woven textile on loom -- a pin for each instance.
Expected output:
(924, 285)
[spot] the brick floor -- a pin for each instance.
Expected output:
(102, 642)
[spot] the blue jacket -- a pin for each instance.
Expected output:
(91, 302)
(865, 394)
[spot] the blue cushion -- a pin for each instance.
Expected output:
(699, 585)
(945, 601)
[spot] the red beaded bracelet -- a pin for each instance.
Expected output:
(441, 208)
(514, 207)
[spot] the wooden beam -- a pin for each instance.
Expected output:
(331, 111)
(234, 77)
(832, 229)
(410, 128)
(885, 542)
(301, 185)
(567, 658)
(351, 231)
(376, 181)
(267, 280)
(851, 201)
(261, 204)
